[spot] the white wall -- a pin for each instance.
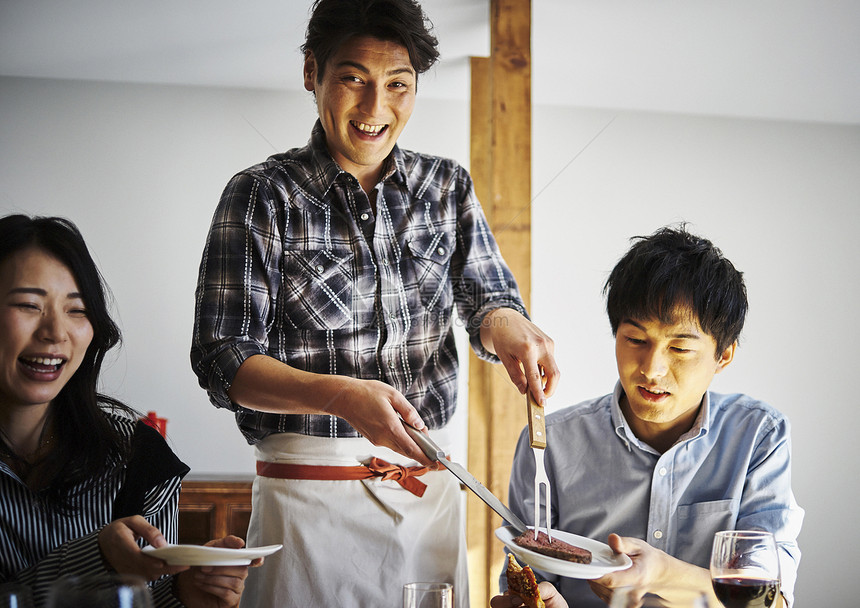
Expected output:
(140, 169)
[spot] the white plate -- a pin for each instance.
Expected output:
(198, 555)
(603, 559)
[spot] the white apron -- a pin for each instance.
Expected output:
(352, 544)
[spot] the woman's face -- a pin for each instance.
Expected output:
(44, 328)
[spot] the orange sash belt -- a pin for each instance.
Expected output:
(405, 476)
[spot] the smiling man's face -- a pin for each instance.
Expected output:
(665, 370)
(364, 99)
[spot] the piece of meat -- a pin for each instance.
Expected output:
(557, 548)
(522, 583)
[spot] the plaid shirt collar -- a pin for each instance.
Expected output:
(328, 171)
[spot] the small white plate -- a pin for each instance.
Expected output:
(603, 559)
(198, 555)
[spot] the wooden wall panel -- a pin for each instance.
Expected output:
(213, 509)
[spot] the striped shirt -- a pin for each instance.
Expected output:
(297, 266)
(38, 546)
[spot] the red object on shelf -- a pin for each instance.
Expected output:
(159, 424)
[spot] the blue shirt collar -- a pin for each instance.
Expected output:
(700, 426)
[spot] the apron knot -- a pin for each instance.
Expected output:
(405, 476)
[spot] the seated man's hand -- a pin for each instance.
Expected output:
(118, 544)
(215, 586)
(648, 567)
(652, 571)
(549, 594)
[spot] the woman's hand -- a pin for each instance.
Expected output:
(215, 586)
(118, 544)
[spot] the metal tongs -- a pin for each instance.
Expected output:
(537, 440)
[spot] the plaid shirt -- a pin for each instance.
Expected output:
(298, 267)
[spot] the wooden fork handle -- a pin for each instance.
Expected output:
(537, 423)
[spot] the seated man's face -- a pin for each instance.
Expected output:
(665, 370)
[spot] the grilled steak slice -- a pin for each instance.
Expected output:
(557, 548)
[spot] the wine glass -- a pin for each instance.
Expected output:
(113, 591)
(15, 595)
(428, 595)
(745, 568)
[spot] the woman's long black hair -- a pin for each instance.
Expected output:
(88, 448)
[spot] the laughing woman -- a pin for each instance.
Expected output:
(80, 479)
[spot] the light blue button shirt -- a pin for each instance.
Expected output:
(732, 470)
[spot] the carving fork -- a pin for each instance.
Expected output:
(537, 440)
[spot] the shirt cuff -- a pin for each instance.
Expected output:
(224, 369)
(85, 554)
(477, 320)
(163, 593)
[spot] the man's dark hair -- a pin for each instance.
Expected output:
(673, 270)
(333, 22)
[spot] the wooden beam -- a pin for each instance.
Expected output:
(478, 520)
(501, 169)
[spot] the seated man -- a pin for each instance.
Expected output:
(661, 464)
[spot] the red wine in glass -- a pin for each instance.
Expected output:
(736, 592)
(745, 568)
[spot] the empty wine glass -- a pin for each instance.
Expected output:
(117, 591)
(15, 595)
(745, 568)
(428, 595)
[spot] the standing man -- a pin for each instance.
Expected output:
(324, 315)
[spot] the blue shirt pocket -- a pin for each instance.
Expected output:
(702, 520)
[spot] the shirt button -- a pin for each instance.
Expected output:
(441, 251)
(320, 267)
(391, 364)
(385, 261)
(663, 471)
(364, 216)
(658, 534)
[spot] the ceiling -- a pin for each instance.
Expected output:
(771, 59)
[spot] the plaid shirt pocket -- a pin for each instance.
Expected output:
(430, 257)
(318, 288)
